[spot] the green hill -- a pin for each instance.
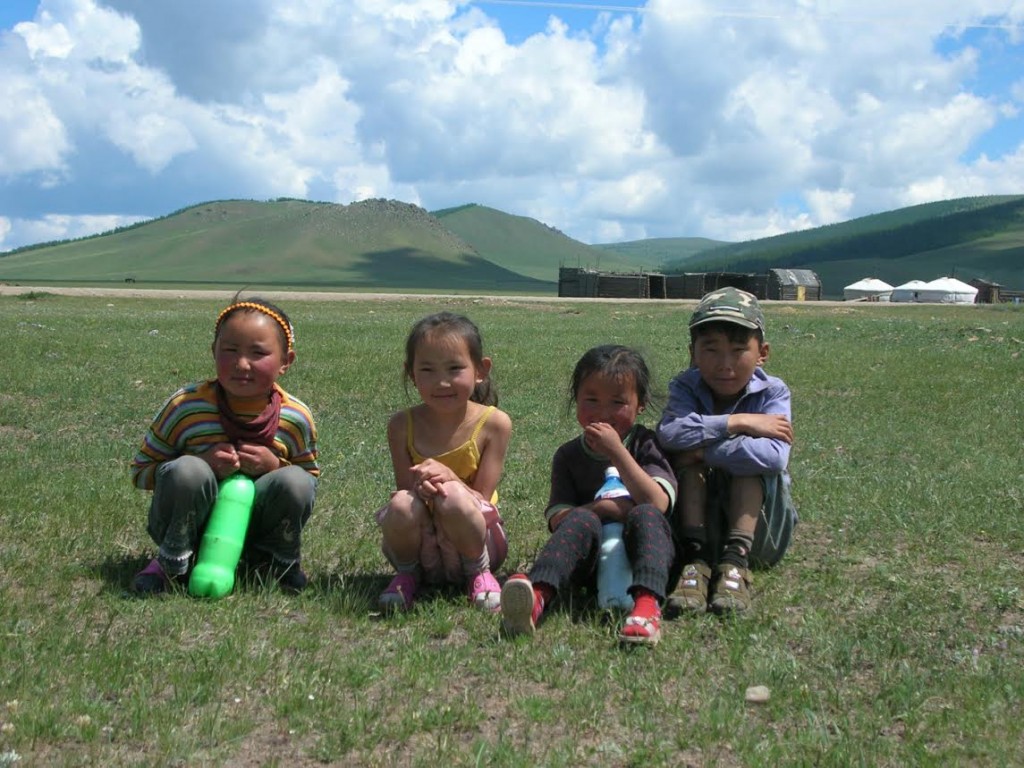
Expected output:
(980, 237)
(390, 245)
(370, 245)
(529, 247)
(658, 251)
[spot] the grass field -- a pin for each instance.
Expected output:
(891, 635)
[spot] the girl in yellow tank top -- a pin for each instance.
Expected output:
(448, 453)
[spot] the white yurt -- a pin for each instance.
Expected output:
(908, 291)
(947, 290)
(868, 289)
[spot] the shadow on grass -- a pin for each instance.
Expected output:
(117, 573)
(355, 593)
(358, 591)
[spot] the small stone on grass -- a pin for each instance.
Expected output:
(758, 694)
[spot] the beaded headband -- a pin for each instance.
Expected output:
(285, 325)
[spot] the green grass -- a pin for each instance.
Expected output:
(892, 634)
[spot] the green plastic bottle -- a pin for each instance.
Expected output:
(221, 546)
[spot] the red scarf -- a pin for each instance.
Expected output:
(261, 430)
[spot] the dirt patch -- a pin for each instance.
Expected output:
(226, 295)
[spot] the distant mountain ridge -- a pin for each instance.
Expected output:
(526, 245)
(978, 237)
(387, 244)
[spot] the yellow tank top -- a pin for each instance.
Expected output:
(464, 460)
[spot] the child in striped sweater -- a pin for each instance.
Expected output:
(241, 421)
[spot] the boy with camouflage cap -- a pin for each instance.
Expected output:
(727, 428)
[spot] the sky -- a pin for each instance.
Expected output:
(614, 121)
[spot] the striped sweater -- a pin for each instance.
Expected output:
(189, 423)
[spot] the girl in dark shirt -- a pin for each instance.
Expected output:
(610, 388)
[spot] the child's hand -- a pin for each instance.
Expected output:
(223, 460)
(256, 460)
(602, 438)
(771, 425)
(428, 479)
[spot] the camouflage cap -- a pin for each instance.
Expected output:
(729, 305)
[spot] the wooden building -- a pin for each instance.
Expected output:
(780, 284)
(994, 293)
(590, 283)
(792, 285)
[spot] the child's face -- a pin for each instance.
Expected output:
(249, 354)
(444, 374)
(601, 399)
(726, 366)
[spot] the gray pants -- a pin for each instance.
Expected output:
(185, 491)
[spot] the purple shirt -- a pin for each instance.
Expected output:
(689, 421)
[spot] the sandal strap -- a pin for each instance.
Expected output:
(640, 629)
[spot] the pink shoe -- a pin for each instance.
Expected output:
(151, 580)
(485, 592)
(400, 594)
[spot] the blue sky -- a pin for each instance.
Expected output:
(610, 121)
(13, 11)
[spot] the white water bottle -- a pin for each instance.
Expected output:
(613, 487)
(614, 573)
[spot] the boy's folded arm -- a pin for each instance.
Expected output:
(692, 430)
(772, 425)
(744, 455)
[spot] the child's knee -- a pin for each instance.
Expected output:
(746, 493)
(457, 502)
(581, 517)
(296, 484)
(405, 509)
(647, 517)
(185, 472)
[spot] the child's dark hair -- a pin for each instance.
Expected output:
(615, 362)
(285, 330)
(735, 333)
(451, 324)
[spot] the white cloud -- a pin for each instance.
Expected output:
(152, 139)
(829, 206)
(18, 232)
(983, 177)
(45, 39)
(32, 137)
(688, 119)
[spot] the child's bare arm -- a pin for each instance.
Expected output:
(770, 425)
(642, 488)
(494, 446)
(611, 510)
(400, 460)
